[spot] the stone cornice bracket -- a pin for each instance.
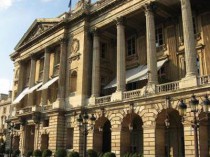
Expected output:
(120, 21)
(149, 7)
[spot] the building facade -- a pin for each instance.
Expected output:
(5, 110)
(120, 60)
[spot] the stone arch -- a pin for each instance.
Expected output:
(102, 135)
(16, 142)
(204, 135)
(131, 134)
(165, 135)
(44, 141)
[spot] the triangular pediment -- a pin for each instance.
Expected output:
(38, 27)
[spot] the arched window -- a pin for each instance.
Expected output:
(73, 82)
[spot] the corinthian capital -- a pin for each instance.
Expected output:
(120, 21)
(149, 7)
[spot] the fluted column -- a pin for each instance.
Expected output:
(189, 39)
(151, 45)
(96, 65)
(32, 80)
(45, 75)
(62, 71)
(120, 55)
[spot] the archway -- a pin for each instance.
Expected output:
(44, 141)
(16, 142)
(131, 134)
(165, 136)
(102, 135)
(204, 135)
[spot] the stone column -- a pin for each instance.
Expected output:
(120, 55)
(151, 46)
(62, 72)
(121, 82)
(96, 65)
(189, 39)
(45, 75)
(32, 80)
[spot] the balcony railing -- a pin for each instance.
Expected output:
(166, 87)
(104, 99)
(132, 94)
(47, 107)
(203, 80)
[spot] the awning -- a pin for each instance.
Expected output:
(136, 74)
(20, 96)
(46, 85)
(34, 87)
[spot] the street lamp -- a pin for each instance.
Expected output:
(11, 128)
(194, 108)
(83, 127)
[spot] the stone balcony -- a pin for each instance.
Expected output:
(158, 89)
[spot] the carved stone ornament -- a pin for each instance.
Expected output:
(75, 46)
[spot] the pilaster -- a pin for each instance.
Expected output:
(32, 80)
(45, 75)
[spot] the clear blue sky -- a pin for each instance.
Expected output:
(16, 16)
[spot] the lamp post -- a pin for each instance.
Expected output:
(11, 128)
(194, 109)
(83, 127)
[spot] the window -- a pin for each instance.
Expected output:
(41, 69)
(69, 138)
(198, 65)
(159, 36)
(46, 123)
(195, 25)
(73, 82)
(103, 50)
(132, 86)
(56, 61)
(4, 110)
(27, 73)
(131, 46)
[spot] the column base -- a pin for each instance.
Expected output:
(36, 108)
(117, 96)
(149, 89)
(189, 81)
(92, 101)
(59, 104)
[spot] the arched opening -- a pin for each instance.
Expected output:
(131, 134)
(204, 135)
(16, 142)
(102, 135)
(165, 135)
(44, 141)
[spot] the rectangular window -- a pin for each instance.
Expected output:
(41, 69)
(131, 46)
(46, 123)
(69, 138)
(4, 110)
(56, 61)
(159, 36)
(103, 50)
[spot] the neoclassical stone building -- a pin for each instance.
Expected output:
(118, 59)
